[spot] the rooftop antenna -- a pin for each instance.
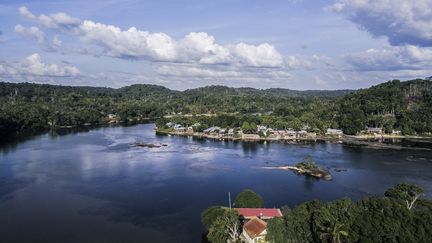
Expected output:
(229, 198)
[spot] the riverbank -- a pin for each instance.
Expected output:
(365, 141)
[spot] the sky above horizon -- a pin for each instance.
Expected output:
(295, 44)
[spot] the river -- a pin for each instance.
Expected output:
(94, 187)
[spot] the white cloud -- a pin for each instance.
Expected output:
(401, 21)
(33, 31)
(407, 57)
(262, 55)
(196, 47)
(60, 21)
(220, 73)
(202, 48)
(36, 33)
(132, 43)
(34, 66)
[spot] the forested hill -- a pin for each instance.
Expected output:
(392, 105)
(274, 92)
(405, 106)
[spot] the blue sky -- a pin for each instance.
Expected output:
(297, 44)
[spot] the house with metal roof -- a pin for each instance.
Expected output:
(255, 230)
(262, 213)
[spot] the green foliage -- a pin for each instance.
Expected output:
(225, 227)
(246, 127)
(209, 216)
(308, 163)
(407, 193)
(405, 106)
(375, 219)
(249, 199)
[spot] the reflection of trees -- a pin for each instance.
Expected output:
(249, 147)
(309, 182)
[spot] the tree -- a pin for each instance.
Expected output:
(336, 233)
(409, 193)
(209, 216)
(246, 127)
(330, 222)
(253, 126)
(249, 199)
(226, 228)
(308, 163)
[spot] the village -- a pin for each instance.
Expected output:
(265, 133)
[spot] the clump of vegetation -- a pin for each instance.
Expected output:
(249, 199)
(226, 228)
(210, 215)
(394, 218)
(401, 216)
(307, 164)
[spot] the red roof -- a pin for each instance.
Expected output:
(259, 212)
(255, 227)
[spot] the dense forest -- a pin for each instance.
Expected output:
(401, 215)
(393, 106)
(406, 106)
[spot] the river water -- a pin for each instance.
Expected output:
(94, 187)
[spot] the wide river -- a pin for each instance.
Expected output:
(94, 187)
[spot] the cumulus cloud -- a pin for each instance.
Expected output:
(202, 48)
(59, 21)
(401, 21)
(407, 57)
(34, 66)
(261, 55)
(33, 31)
(196, 47)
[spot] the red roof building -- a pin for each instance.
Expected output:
(255, 230)
(262, 213)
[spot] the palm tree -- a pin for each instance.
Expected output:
(334, 233)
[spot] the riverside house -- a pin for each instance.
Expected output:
(212, 130)
(255, 225)
(334, 132)
(374, 130)
(254, 231)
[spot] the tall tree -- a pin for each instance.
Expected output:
(249, 199)
(226, 228)
(409, 193)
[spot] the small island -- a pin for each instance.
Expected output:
(306, 167)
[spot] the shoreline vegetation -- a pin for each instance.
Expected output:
(402, 214)
(394, 107)
(366, 141)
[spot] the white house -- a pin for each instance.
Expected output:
(231, 132)
(375, 130)
(331, 131)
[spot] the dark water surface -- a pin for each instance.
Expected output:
(93, 187)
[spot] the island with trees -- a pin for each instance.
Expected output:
(307, 167)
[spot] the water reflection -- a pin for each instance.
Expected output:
(68, 180)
